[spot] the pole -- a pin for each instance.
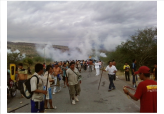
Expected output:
(101, 75)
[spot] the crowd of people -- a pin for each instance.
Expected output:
(70, 72)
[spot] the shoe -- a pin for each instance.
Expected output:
(53, 93)
(73, 102)
(109, 90)
(76, 99)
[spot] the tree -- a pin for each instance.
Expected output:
(142, 46)
(14, 58)
(28, 62)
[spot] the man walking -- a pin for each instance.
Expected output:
(126, 67)
(146, 91)
(37, 101)
(111, 73)
(73, 82)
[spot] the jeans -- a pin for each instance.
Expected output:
(57, 85)
(111, 77)
(134, 78)
(127, 76)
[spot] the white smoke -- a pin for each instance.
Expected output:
(16, 51)
(86, 49)
(103, 55)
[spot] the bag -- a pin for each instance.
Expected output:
(26, 89)
(58, 76)
(78, 76)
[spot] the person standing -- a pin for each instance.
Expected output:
(73, 82)
(99, 64)
(47, 74)
(64, 68)
(146, 91)
(111, 73)
(97, 68)
(114, 64)
(79, 65)
(126, 67)
(22, 77)
(57, 71)
(133, 71)
(85, 65)
(37, 100)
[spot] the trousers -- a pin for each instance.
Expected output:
(111, 84)
(57, 86)
(97, 71)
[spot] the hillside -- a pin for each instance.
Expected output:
(30, 48)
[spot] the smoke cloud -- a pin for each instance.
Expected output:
(16, 51)
(103, 55)
(89, 46)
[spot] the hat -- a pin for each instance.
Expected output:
(56, 63)
(143, 69)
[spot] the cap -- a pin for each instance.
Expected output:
(143, 69)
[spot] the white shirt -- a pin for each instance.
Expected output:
(111, 69)
(33, 82)
(44, 78)
(96, 65)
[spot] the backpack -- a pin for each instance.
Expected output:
(26, 89)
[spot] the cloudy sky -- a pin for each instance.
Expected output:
(63, 22)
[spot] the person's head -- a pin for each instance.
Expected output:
(126, 63)
(134, 61)
(39, 68)
(110, 63)
(113, 62)
(49, 68)
(155, 65)
(64, 64)
(20, 65)
(56, 65)
(72, 65)
(143, 72)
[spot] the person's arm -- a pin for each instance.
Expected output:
(66, 79)
(61, 72)
(105, 69)
(41, 91)
(131, 95)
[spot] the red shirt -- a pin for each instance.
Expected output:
(147, 93)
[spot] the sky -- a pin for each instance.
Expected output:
(61, 23)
